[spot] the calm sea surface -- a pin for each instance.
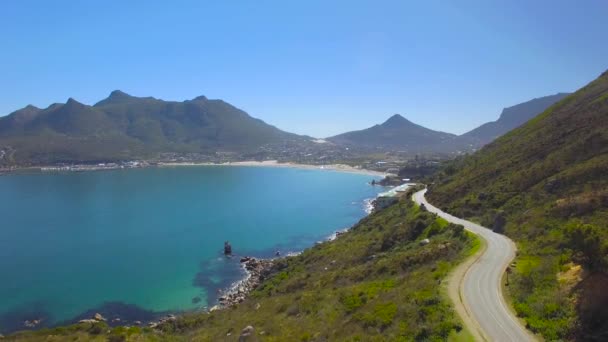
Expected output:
(135, 244)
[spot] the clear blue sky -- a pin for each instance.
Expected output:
(313, 67)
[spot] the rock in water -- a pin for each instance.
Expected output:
(227, 248)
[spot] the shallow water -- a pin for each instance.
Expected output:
(138, 243)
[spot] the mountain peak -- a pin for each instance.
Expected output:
(71, 101)
(117, 96)
(396, 119)
(200, 98)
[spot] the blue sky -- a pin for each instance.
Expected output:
(312, 67)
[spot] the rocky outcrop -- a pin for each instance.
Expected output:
(389, 181)
(166, 319)
(227, 248)
(257, 270)
(247, 334)
(32, 323)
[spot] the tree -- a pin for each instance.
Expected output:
(499, 223)
(456, 228)
(586, 242)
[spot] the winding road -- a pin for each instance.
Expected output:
(480, 288)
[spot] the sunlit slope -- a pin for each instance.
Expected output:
(545, 184)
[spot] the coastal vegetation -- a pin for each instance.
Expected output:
(544, 185)
(381, 280)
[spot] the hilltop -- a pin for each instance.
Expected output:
(397, 133)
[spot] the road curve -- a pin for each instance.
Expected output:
(480, 289)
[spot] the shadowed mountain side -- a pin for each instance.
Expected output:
(511, 118)
(124, 126)
(399, 134)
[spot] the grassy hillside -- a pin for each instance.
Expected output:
(545, 185)
(375, 283)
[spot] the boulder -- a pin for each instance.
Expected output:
(247, 334)
(227, 248)
(425, 242)
(87, 321)
(98, 317)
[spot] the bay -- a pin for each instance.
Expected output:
(137, 244)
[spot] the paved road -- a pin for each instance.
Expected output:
(481, 287)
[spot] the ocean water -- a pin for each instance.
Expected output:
(136, 244)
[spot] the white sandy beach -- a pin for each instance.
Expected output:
(274, 163)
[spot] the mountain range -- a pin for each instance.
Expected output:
(123, 127)
(398, 133)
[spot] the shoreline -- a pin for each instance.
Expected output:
(273, 163)
(255, 269)
(151, 164)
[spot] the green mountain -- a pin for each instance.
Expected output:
(124, 127)
(545, 185)
(510, 118)
(399, 134)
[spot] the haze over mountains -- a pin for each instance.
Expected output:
(398, 133)
(512, 117)
(123, 127)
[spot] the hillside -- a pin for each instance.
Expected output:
(124, 127)
(399, 134)
(544, 184)
(376, 282)
(510, 118)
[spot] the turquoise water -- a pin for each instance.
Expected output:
(137, 243)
